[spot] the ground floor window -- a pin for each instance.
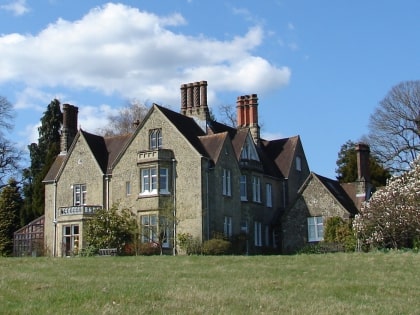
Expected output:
(315, 229)
(155, 229)
(227, 227)
(149, 228)
(70, 239)
(257, 233)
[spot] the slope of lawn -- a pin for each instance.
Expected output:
(373, 283)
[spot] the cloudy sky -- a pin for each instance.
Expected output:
(319, 67)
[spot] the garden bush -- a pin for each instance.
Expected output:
(216, 246)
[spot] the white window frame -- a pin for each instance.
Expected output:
(153, 180)
(163, 180)
(149, 228)
(71, 235)
(149, 180)
(256, 189)
(257, 234)
(79, 194)
(269, 195)
(315, 229)
(227, 182)
(243, 188)
(227, 226)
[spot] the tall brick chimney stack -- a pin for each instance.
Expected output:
(194, 100)
(247, 114)
(363, 171)
(363, 184)
(69, 129)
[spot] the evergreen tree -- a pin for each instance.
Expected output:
(10, 207)
(42, 156)
(347, 166)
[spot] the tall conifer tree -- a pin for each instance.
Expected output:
(42, 156)
(10, 206)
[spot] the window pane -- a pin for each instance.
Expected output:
(153, 174)
(145, 220)
(243, 187)
(163, 180)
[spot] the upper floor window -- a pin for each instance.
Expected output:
(243, 188)
(298, 163)
(315, 229)
(154, 180)
(155, 139)
(149, 180)
(248, 150)
(163, 180)
(269, 195)
(256, 189)
(79, 194)
(226, 185)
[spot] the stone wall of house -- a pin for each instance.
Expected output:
(186, 166)
(297, 177)
(49, 219)
(315, 200)
(220, 205)
(81, 168)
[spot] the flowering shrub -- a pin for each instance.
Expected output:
(391, 218)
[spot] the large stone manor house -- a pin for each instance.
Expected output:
(213, 178)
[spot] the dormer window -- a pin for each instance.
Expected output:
(155, 139)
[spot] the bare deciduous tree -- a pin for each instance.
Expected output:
(228, 115)
(9, 155)
(393, 129)
(125, 120)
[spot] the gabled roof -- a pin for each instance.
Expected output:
(115, 145)
(98, 148)
(55, 168)
(214, 144)
(187, 127)
(282, 152)
(104, 150)
(336, 190)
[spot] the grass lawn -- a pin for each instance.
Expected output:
(374, 283)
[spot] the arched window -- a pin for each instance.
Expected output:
(155, 139)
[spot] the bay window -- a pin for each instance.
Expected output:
(152, 183)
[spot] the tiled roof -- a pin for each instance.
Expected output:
(282, 152)
(55, 168)
(98, 147)
(339, 193)
(114, 145)
(187, 126)
(214, 144)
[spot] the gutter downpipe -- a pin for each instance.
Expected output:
(174, 204)
(107, 192)
(55, 219)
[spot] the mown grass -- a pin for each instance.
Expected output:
(374, 283)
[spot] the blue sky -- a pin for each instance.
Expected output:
(320, 68)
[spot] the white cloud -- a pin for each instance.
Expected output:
(119, 49)
(18, 7)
